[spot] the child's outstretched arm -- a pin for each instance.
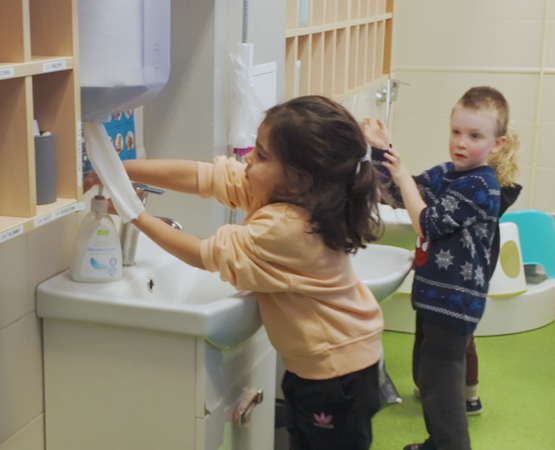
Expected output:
(181, 245)
(179, 175)
(413, 201)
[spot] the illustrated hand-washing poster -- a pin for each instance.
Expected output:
(121, 130)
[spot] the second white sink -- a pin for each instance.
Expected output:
(382, 268)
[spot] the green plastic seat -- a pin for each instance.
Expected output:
(536, 232)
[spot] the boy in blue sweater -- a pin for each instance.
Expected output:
(454, 209)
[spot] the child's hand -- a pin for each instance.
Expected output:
(376, 136)
(90, 181)
(111, 208)
(396, 169)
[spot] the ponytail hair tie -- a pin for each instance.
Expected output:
(365, 158)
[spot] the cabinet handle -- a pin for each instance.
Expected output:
(245, 404)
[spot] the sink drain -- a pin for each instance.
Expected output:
(150, 284)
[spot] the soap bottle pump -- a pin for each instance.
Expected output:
(97, 249)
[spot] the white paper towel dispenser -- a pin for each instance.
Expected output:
(124, 52)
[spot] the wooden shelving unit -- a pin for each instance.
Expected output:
(38, 80)
(344, 46)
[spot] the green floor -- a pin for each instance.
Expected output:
(517, 389)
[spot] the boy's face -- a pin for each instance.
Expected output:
(264, 170)
(473, 137)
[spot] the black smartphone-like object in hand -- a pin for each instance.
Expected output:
(379, 154)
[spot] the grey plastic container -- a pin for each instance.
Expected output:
(45, 167)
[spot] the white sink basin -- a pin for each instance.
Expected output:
(159, 293)
(382, 268)
(162, 293)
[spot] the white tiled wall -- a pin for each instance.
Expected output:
(25, 261)
(550, 54)
(548, 104)
(444, 47)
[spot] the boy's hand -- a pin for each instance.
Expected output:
(396, 169)
(376, 135)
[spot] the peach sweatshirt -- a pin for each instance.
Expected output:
(320, 318)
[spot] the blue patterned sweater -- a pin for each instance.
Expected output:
(452, 263)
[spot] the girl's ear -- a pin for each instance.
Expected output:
(299, 182)
(499, 144)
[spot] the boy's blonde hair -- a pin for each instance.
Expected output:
(504, 162)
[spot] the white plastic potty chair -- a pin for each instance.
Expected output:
(508, 278)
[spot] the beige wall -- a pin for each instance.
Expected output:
(25, 261)
(444, 47)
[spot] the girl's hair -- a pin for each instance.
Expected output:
(318, 140)
(504, 162)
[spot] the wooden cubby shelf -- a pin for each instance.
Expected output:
(36, 66)
(38, 81)
(339, 48)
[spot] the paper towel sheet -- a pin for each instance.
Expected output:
(111, 172)
(247, 110)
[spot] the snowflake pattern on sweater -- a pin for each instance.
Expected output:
(452, 262)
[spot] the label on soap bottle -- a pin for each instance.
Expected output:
(101, 256)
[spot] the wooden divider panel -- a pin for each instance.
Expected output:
(343, 46)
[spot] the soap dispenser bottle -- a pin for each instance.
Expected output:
(97, 249)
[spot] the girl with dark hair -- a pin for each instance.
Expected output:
(310, 196)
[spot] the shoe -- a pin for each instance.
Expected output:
(428, 445)
(473, 408)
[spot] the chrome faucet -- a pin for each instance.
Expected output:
(129, 233)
